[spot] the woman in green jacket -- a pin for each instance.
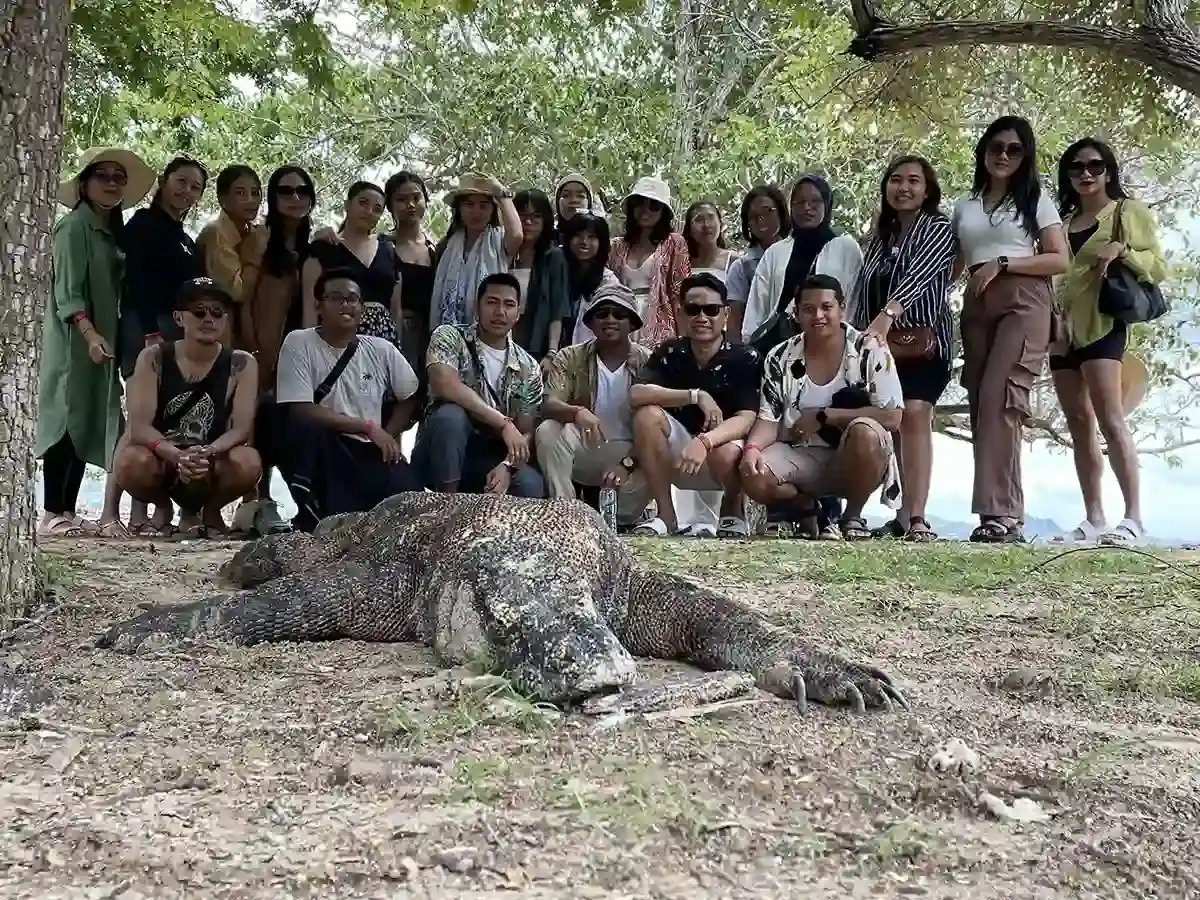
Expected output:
(1087, 362)
(79, 396)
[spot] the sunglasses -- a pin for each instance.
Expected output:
(1093, 167)
(288, 190)
(612, 312)
(711, 310)
(118, 178)
(204, 311)
(1013, 150)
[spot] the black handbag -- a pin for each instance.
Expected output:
(1122, 295)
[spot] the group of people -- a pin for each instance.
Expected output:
(540, 355)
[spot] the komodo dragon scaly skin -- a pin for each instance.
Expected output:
(540, 590)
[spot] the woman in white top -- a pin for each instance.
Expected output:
(765, 222)
(813, 248)
(1010, 240)
(705, 235)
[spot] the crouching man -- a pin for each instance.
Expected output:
(343, 400)
(587, 435)
(191, 406)
(486, 392)
(831, 400)
(693, 404)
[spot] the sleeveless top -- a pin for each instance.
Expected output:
(208, 418)
(376, 280)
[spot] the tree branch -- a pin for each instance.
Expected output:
(1163, 41)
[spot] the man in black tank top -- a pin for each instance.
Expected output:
(191, 406)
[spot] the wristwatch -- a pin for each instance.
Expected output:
(628, 463)
(1003, 260)
(694, 396)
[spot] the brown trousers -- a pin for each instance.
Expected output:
(1005, 336)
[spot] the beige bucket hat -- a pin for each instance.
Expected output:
(1134, 379)
(472, 183)
(652, 189)
(613, 293)
(140, 176)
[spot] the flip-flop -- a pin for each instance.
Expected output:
(113, 531)
(60, 527)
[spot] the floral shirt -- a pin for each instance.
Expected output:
(521, 390)
(573, 372)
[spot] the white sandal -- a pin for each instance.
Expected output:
(1085, 534)
(733, 527)
(1128, 533)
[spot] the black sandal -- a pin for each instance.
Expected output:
(993, 531)
(920, 537)
(890, 529)
(854, 528)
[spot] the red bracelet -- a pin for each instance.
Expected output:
(154, 446)
(703, 438)
(78, 317)
(751, 447)
(370, 428)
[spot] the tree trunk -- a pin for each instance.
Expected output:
(1164, 41)
(33, 52)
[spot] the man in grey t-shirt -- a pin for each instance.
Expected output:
(345, 399)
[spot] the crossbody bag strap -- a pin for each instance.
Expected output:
(335, 373)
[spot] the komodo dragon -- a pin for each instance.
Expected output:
(540, 590)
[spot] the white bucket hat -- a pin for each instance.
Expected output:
(652, 189)
(140, 176)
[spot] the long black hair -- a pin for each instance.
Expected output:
(888, 226)
(690, 214)
(361, 187)
(277, 260)
(1024, 189)
(585, 280)
(775, 195)
(179, 162)
(539, 203)
(1068, 197)
(662, 228)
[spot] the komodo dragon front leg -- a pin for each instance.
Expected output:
(670, 618)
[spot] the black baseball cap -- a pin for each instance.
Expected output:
(201, 289)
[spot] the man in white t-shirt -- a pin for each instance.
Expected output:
(485, 391)
(587, 435)
(831, 399)
(344, 399)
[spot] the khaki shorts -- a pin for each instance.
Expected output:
(814, 470)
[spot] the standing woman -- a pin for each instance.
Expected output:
(223, 242)
(485, 231)
(764, 224)
(651, 259)
(369, 255)
(541, 269)
(273, 256)
(1087, 377)
(813, 248)
(573, 195)
(79, 396)
(407, 199)
(903, 296)
(1011, 241)
(704, 233)
(587, 246)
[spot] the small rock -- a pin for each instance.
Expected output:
(456, 859)
(409, 868)
(955, 758)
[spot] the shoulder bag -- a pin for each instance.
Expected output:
(1122, 295)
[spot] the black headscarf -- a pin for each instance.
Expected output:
(808, 243)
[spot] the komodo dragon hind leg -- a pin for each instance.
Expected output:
(671, 618)
(322, 604)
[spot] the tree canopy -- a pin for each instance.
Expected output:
(715, 95)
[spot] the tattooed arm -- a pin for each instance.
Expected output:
(244, 375)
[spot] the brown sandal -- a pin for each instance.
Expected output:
(854, 528)
(924, 535)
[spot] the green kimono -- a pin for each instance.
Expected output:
(77, 397)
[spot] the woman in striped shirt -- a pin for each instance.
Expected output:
(903, 296)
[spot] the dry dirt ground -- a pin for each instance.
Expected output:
(346, 770)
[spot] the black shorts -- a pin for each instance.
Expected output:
(1111, 346)
(924, 379)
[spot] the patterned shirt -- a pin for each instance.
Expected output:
(787, 391)
(521, 389)
(573, 372)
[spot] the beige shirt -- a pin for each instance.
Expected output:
(220, 248)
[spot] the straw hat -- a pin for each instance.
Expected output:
(140, 176)
(1133, 381)
(472, 183)
(652, 189)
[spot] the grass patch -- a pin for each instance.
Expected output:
(56, 571)
(488, 701)
(1150, 680)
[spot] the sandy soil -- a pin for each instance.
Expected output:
(349, 770)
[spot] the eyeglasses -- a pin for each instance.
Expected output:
(343, 299)
(204, 311)
(297, 190)
(711, 310)
(612, 312)
(1093, 167)
(1013, 150)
